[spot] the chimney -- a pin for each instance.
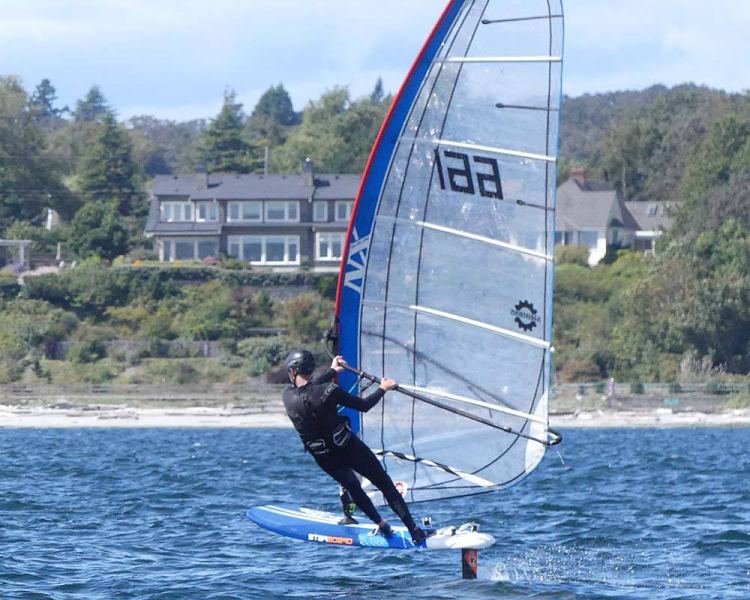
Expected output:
(308, 172)
(201, 176)
(578, 174)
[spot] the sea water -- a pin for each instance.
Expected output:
(159, 513)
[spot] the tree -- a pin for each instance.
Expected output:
(97, 230)
(377, 95)
(336, 133)
(107, 170)
(42, 103)
(272, 118)
(30, 180)
(223, 147)
(716, 184)
(161, 146)
(93, 107)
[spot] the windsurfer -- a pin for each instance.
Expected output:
(311, 404)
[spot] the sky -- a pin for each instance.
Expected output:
(174, 59)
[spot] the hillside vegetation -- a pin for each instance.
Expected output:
(684, 313)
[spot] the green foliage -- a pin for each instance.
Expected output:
(108, 171)
(89, 344)
(30, 181)
(263, 354)
(272, 118)
(162, 146)
(336, 134)
(98, 231)
(223, 147)
(571, 255)
(306, 317)
(9, 287)
(716, 182)
(93, 107)
(326, 286)
(26, 328)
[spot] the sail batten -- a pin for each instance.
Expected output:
(502, 59)
(446, 282)
(482, 148)
(469, 235)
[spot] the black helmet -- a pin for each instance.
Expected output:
(301, 360)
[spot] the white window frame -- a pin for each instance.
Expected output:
(286, 204)
(330, 237)
(349, 205)
(212, 209)
(169, 246)
(171, 207)
(320, 211)
(240, 205)
(289, 240)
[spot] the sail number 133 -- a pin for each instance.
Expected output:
(468, 173)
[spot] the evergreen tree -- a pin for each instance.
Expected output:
(42, 102)
(29, 180)
(108, 171)
(98, 230)
(93, 107)
(272, 118)
(377, 95)
(223, 147)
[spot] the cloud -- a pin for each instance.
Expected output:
(178, 56)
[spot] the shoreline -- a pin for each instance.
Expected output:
(264, 416)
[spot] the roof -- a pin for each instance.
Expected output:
(223, 186)
(592, 205)
(651, 216)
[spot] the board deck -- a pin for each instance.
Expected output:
(322, 527)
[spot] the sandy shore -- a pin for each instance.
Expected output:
(243, 417)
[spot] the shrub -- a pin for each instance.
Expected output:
(306, 317)
(572, 255)
(637, 387)
(9, 287)
(263, 354)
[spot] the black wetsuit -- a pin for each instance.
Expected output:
(328, 437)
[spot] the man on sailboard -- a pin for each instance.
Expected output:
(312, 404)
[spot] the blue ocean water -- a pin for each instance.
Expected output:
(159, 514)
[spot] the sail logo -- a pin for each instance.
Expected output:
(526, 316)
(355, 262)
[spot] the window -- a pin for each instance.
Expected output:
(563, 237)
(282, 211)
(176, 211)
(184, 250)
(320, 211)
(590, 239)
(652, 210)
(188, 249)
(329, 246)
(206, 211)
(265, 249)
(343, 210)
(244, 211)
(166, 250)
(207, 248)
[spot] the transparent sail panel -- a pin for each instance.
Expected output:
(456, 297)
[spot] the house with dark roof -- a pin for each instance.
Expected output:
(649, 221)
(591, 214)
(277, 221)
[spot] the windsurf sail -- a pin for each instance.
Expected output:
(446, 281)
